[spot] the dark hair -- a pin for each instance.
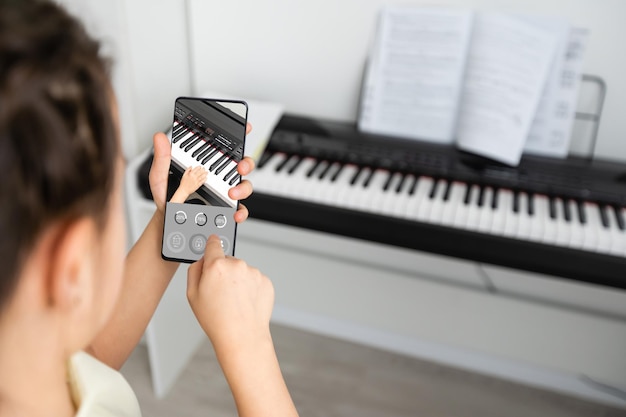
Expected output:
(58, 140)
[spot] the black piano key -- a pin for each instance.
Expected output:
(188, 140)
(446, 193)
(433, 190)
(209, 156)
(552, 207)
(192, 144)
(481, 196)
(324, 171)
(280, 166)
(206, 153)
(264, 158)
(356, 176)
(295, 165)
(177, 130)
(336, 174)
(413, 186)
(223, 166)
(401, 184)
(387, 183)
(567, 212)
(217, 163)
(235, 179)
(368, 179)
(582, 215)
(604, 217)
(313, 168)
(200, 149)
(619, 217)
(468, 195)
(229, 173)
(531, 205)
(178, 136)
(516, 202)
(494, 198)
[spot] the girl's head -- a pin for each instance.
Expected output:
(61, 217)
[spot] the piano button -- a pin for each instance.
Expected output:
(200, 149)
(541, 216)
(486, 213)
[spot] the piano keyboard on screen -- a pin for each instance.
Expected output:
(558, 217)
(215, 152)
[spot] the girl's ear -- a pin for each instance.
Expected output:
(70, 265)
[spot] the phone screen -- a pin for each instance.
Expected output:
(207, 139)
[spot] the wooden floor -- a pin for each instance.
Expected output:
(329, 377)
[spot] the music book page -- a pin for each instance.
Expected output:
(551, 131)
(507, 67)
(414, 77)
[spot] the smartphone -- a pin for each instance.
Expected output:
(207, 139)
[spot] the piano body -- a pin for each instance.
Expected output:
(424, 250)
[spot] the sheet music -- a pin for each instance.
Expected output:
(551, 132)
(507, 67)
(414, 77)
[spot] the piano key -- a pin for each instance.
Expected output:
(200, 149)
(183, 136)
(620, 217)
(214, 164)
(392, 196)
(231, 172)
(437, 202)
(187, 139)
(234, 180)
(524, 221)
(455, 199)
(193, 143)
(407, 183)
(229, 163)
(341, 185)
(575, 225)
(376, 195)
(296, 183)
(417, 206)
(473, 212)
(562, 225)
(284, 162)
(486, 212)
(295, 165)
(462, 211)
(592, 226)
(618, 237)
(540, 217)
(207, 155)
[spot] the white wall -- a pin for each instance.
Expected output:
(309, 55)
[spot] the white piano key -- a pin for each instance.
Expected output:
(473, 212)
(391, 196)
(264, 179)
(540, 218)
(576, 227)
(455, 200)
(435, 214)
(376, 194)
(485, 217)
(462, 211)
(342, 185)
(562, 227)
(504, 200)
(303, 185)
(418, 203)
(591, 227)
(400, 208)
(354, 191)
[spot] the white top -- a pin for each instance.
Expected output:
(98, 390)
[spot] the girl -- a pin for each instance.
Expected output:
(71, 309)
